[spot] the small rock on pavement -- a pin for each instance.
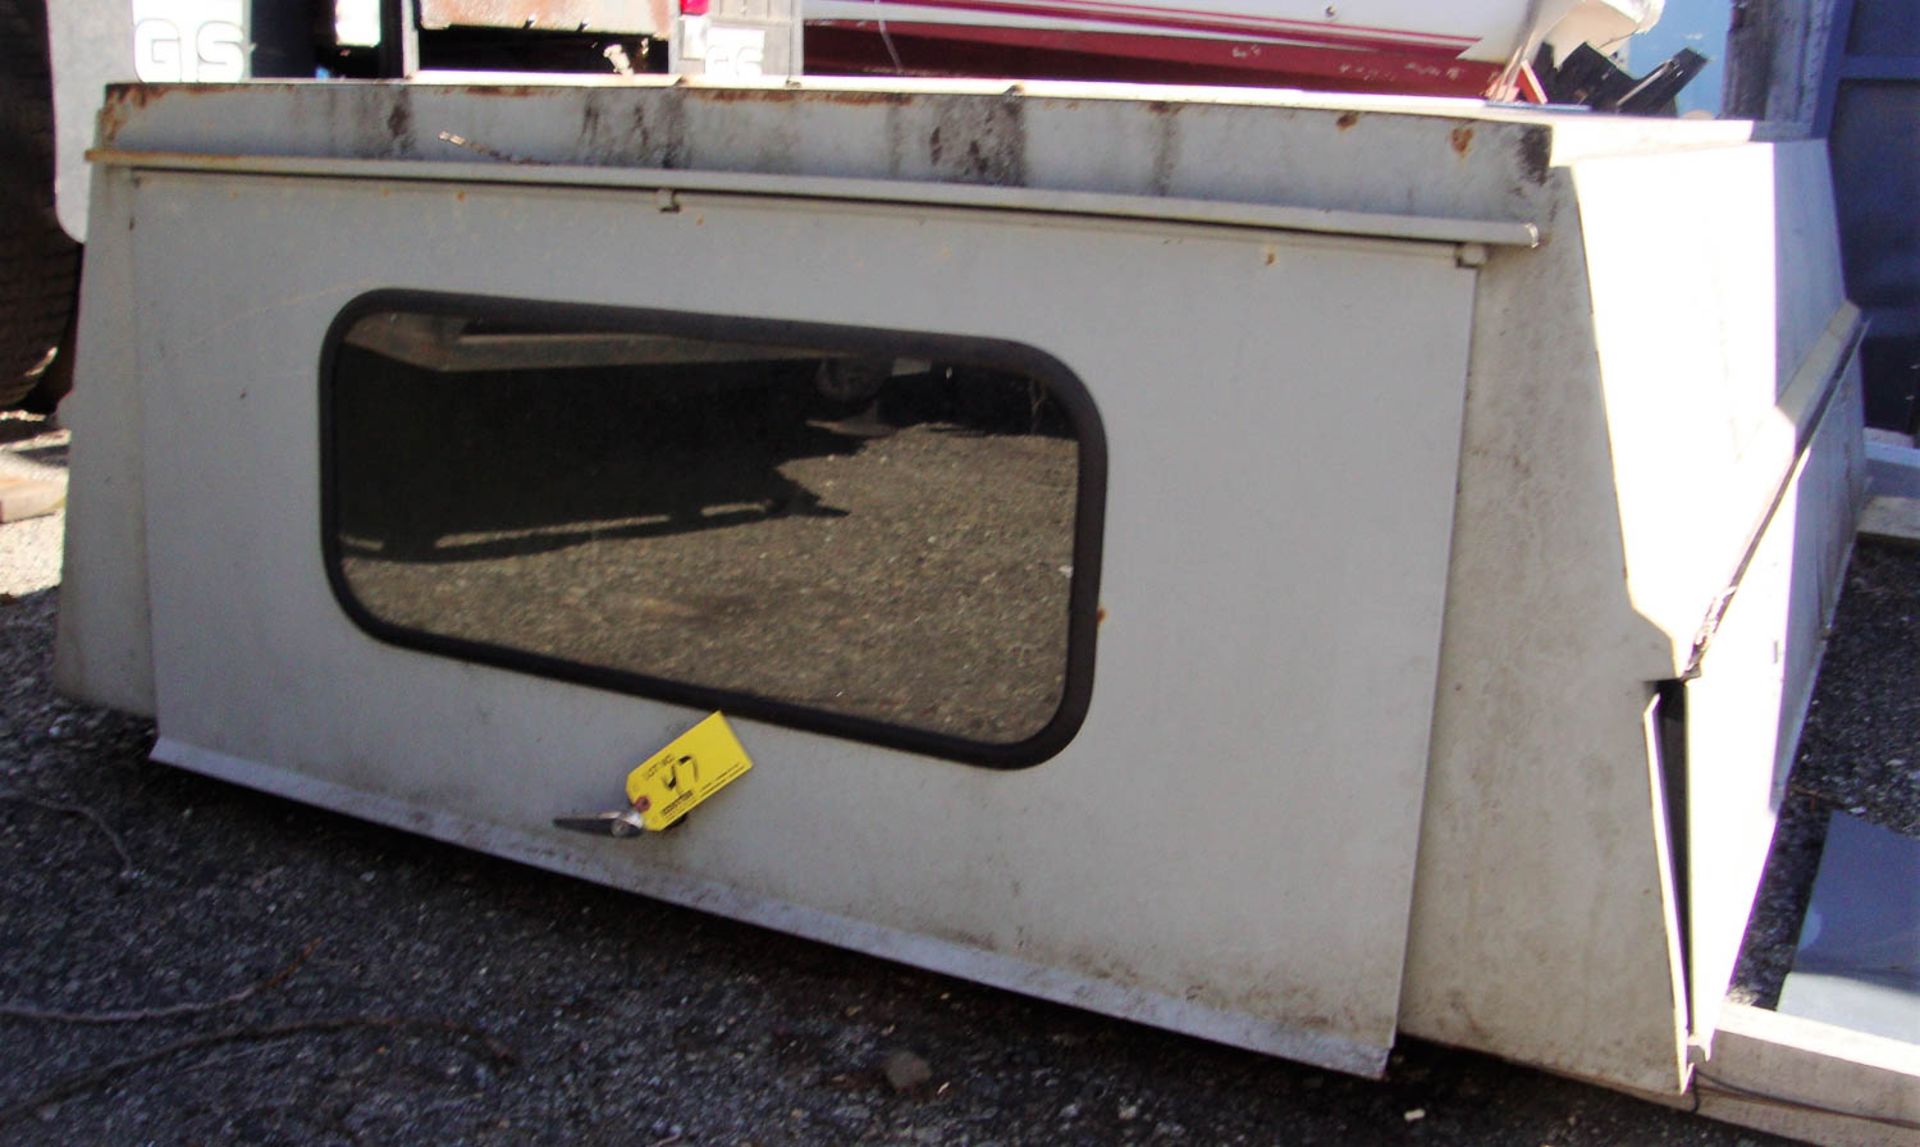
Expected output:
(905, 1070)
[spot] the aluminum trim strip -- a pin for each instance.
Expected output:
(1807, 397)
(1416, 228)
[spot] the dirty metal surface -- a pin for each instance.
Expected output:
(682, 190)
(939, 863)
(1107, 139)
(1601, 514)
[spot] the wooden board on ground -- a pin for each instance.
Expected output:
(28, 491)
(1895, 520)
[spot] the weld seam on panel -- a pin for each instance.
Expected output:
(1272, 217)
(1321, 1049)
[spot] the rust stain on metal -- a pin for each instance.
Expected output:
(1347, 120)
(505, 91)
(743, 95)
(112, 117)
(1461, 138)
(865, 99)
(120, 102)
(1166, 143)
(151, 158)
(136, 95)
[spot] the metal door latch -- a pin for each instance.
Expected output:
(619, 823)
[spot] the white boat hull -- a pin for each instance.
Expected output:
(1469, 49)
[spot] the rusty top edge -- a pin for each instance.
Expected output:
(1162, 99)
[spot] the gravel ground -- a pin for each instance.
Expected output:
(1859, 753)
(285, 975)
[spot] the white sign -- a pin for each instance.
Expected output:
(735, 53)
(189, 41)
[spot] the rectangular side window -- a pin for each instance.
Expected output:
(884, 536)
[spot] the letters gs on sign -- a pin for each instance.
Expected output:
(189, 41)
(736, 53)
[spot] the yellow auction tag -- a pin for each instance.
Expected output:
(699, 763)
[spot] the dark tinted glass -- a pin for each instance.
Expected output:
(814, 530)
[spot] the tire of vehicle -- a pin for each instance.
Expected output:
(39, 265)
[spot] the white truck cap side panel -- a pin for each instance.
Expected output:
(1232, 831)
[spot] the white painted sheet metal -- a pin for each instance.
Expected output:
(1249, 551)
(1760, 664)
(1622, 459)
